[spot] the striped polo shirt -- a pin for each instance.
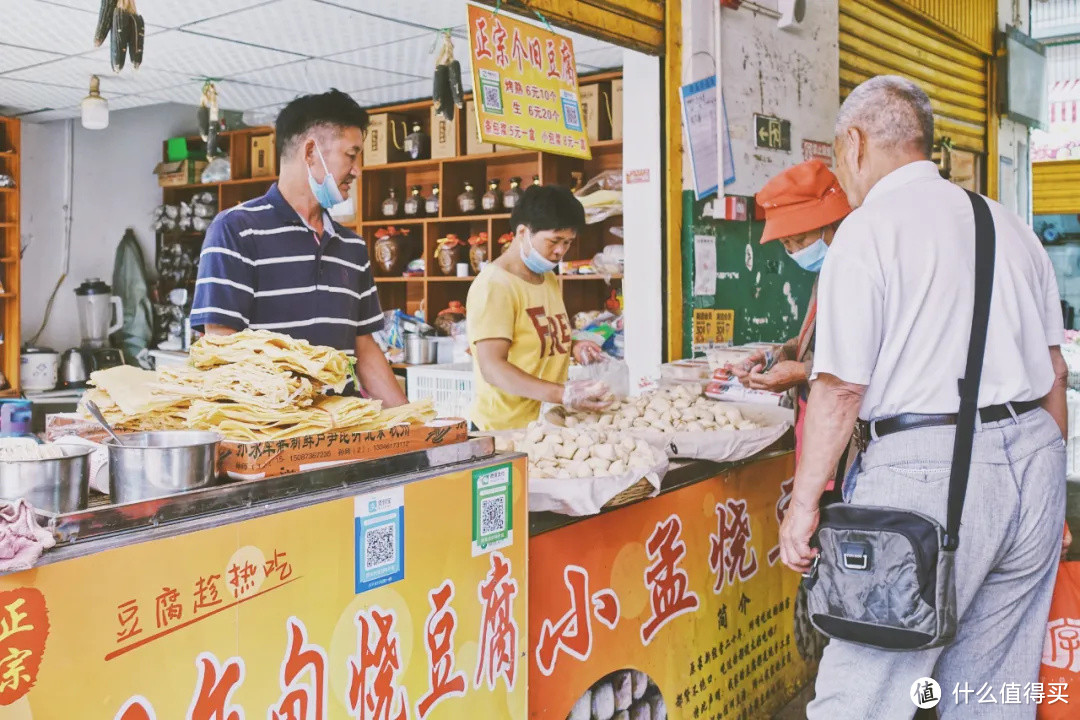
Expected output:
(262, 268)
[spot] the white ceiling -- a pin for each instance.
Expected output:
(261, 53)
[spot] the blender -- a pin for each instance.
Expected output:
(95, 304)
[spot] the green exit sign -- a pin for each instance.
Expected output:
(772, 132)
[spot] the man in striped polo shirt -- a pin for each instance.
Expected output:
(280, 263)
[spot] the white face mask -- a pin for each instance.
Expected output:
(327, 192)
(534, 260)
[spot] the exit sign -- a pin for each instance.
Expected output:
(772, 132)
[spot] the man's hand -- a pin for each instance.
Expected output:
(783, 376)
(587, 352)
(795, 532)
(756, 362)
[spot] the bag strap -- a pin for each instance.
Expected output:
(985, 247)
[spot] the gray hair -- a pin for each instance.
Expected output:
(891, 110)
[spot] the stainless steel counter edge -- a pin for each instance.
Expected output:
(103, 528)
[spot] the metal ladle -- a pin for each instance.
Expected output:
(95, 411)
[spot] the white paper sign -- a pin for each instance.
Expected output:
(699, 109)
(704, 265)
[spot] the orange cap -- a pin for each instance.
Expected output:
(800, 199)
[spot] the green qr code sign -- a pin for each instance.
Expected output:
(492, 508)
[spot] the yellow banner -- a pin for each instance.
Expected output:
(713, 327)
(407, 602)
(525, 84)
(677, 607)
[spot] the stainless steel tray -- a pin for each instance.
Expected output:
(105, 519)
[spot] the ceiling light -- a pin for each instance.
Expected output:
(95, 109)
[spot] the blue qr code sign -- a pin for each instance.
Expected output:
(380, 549)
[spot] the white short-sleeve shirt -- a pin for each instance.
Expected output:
(896, 295)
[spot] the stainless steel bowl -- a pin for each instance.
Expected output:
(155, 464)
(57, 485)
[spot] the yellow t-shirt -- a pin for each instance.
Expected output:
(533, 318)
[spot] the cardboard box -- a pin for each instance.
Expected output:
(594, 110)
(247, 461)
(379, 146)
(263, 156)
(616, 109)
(184, 172)
(473, 146)
(443, 137)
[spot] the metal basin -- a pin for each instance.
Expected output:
(155, 464)
(57, 485)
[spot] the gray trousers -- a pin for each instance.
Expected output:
(1010, 541)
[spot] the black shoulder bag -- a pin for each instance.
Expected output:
(884, 577)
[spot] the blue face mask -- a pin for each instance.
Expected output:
(327, 192)
(811, 257)
(534, 260)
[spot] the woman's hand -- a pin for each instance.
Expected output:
(782, 376)
(586, 352)
(742, 371)
(590, 395)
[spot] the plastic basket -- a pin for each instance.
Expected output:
(449, 387)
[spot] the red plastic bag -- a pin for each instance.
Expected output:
(1061, 652)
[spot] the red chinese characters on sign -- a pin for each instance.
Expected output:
(498, 629)
(502, 59)
(301, 699)
(668, 584)
(482, 40)
(373, 692)
(212, 699)
(206, 593)
(536, 53)
(731, 555)
(572, 633)
(167, 607)
(242, 577)
(553, 60)
(781, 510)
(278, 564)
(137, 708)
(518, 52)
(569, 71)
(127, 614)
(439, 641)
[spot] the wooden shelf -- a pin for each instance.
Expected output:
(450, 278)
(10, 324)
(508, 155)
(249, 181)
(403, 222)
(9, 260)
(9, 190)
(7, 224)
(7, 294)
(7, 153)
(606, 145)
(472, 218)
(404, 165)
(418, 278)
(10, 393)
(605, 278)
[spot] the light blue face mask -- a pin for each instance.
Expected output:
(534, 260)
(811, 257)
(327, 192)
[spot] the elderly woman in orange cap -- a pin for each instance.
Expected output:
(803, 207)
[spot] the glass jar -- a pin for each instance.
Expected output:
(478, 251)
(467, 200)
(504, 242)
(492, 198)
(450, 316)
(417, 143)
(390, 255)
(447, 254)
(414, 204)
(536, 180)
(391, 205)
(513, 195)
(431, 205)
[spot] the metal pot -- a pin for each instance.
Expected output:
(73, 373)
(156, 464)
(57, 485)
(419, 350)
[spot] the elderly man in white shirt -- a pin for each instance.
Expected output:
(895, 303)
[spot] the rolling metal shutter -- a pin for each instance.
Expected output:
(1054, 186)
(881, 38)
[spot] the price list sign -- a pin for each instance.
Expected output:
(526, 84)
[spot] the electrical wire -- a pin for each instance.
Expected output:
(69, 179)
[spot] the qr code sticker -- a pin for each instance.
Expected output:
(492, 515)
(380, 546)
(572, 119)
(492, 99)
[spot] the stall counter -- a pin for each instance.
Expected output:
(672, 607)
(274, 595)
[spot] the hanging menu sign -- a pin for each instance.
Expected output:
(525, 80)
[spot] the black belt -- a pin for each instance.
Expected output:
(867, 431)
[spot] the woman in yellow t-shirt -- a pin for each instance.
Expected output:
(519, 332)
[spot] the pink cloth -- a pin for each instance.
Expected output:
(22, 540)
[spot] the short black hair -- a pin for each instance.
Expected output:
(334, 108)
(548, 207)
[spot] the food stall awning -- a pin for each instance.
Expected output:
(634, 24)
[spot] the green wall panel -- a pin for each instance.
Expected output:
(765, 288)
